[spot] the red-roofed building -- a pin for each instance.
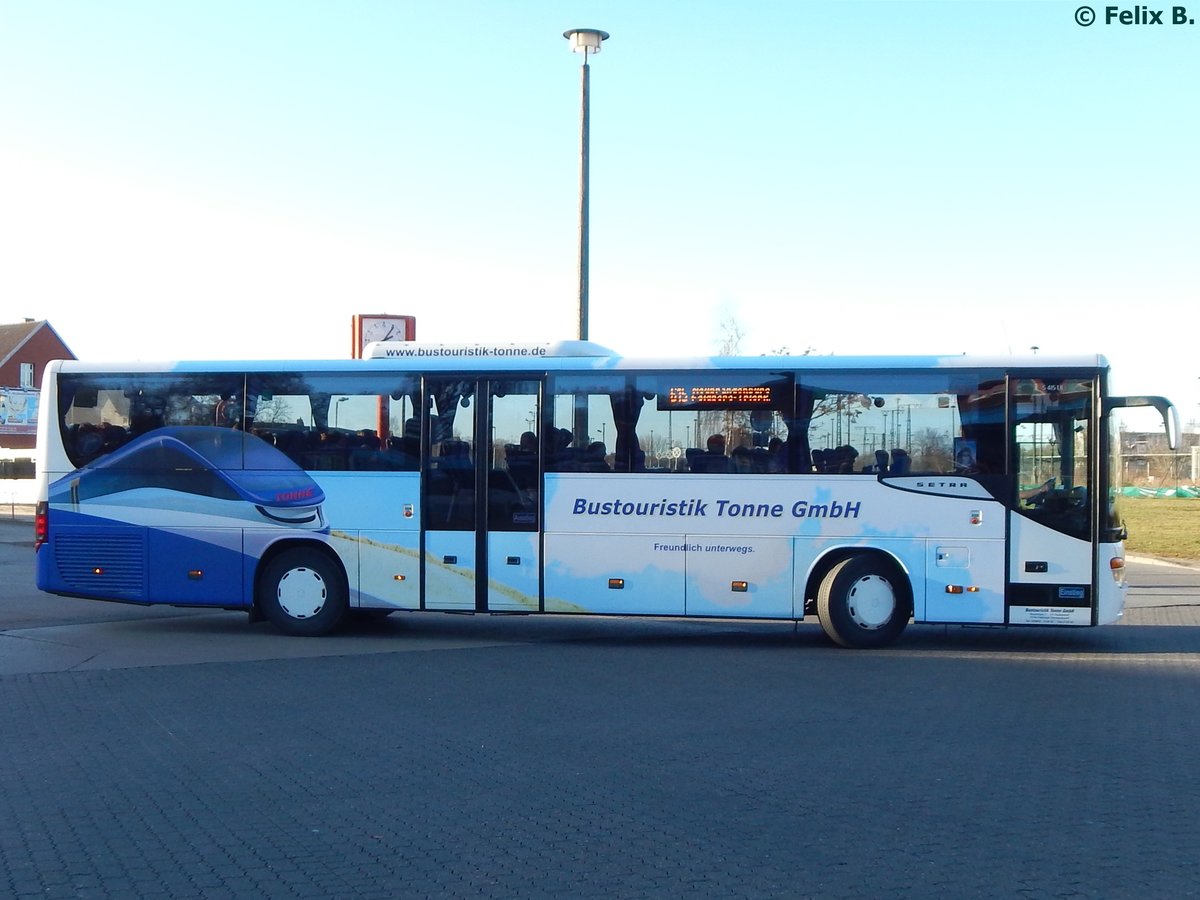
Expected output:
(25, 349)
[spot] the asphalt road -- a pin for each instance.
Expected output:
(155, 752)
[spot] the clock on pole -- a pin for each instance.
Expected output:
(370, 327)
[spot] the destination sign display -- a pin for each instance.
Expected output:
(716, 396)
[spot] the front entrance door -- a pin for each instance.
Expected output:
(482, 509)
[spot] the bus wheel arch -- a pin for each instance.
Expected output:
(301, 587)
(864, 599)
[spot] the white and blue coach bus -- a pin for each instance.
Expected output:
(562, 478)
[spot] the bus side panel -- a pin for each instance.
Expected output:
(615, 573)
(964, 582)
(104, 559)
(450, 570)
(388, 566)
(739, 576)
(727, 527)
(513, 566)
(196, 567)
(90, 557)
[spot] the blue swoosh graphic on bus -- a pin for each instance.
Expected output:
(222, 463)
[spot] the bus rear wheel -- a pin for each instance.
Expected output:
(863, 602)
(302, 592)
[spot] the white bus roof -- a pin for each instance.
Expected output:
(583, 356)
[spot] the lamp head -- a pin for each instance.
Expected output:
(585, 40)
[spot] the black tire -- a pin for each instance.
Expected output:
(303, 592)
(864, 601)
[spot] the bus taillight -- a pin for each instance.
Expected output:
(41, 524)
(1117, 566)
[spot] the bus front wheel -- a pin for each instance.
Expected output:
(303, 593)
(863, 602)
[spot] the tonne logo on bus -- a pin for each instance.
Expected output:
(288, 496)
(720, 509)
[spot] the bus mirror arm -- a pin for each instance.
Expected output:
(1166, 409)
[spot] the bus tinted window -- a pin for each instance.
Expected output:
(714, 422)
(100, 413)
(706, 422)
(337, 422)
(898, 423)
(586, 436)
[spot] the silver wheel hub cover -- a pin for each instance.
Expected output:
(871, 602)
(301, 593)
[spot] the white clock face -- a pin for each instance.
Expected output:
(381, 327)
(380, 330)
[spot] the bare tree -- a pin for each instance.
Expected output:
(730, 337)
(275, 411)
(931, 450)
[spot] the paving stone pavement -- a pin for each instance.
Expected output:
(681, 763)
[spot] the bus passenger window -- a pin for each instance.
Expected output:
(897, 423)
(715, 423)
(593, 425)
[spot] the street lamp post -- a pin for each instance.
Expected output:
(586, 41)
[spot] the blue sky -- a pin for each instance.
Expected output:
(230, 179)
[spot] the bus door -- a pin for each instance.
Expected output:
(1052, 566)
(482, 508)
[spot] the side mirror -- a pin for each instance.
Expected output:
(1166, 409)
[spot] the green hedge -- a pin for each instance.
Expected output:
(1183, 493)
